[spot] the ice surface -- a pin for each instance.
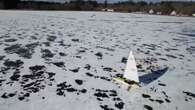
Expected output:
(66, 61)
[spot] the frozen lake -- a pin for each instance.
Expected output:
(66, 61)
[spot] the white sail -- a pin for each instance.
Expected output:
(131, 69)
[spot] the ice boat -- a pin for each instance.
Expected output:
(130, 77)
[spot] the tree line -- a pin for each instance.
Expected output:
(9, 4)
(40, 5)
(165, 7)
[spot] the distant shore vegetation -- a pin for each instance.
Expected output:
(162, 8)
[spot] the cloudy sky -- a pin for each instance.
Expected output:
(111, 1)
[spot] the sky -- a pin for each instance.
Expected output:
(110, 1)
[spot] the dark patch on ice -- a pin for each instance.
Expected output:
(151, 100)
(105, 107)
(99, 99)
(16, 75)
(188, 98)
(165, 94)
(147, 52)
(87, 66)
(101, 94)
(43, 97)
(13, 48)
(44, 27)
(181, 55)
(33, 87)
(172, 22)
(5, 36)
(64, 87)
(10, 40)
(189, 94)
(32, 45)
(78, 57)
(139, 66)
(153, 89)
(159, 101)
(81, 51)
(149, 60)
(147, 107)
(51, 38)
(51, 76)
(106, 48)
(62, 54)
(164, 59)
(191, 49)
(148, 78)
(119, 75)
(190, 35)
(146, 96)
(75, 40)
(36, 68)
(89, 74)
(2, 57)
(170, 49)
(13, 64)
(46, 54)
(8, 95)
(105, 93)
(36, 81)
(75, 70)
(150, 46)
(113, 93)
(161, 84)
(159, 54)
(1, 81)
(83, 90)
(141, 70)
(117, 99)
(79, 82)
(47, 44)
(124, 60)
(99, 55)
(23, 51)
(119, 105)
(61, 43)
(4, 69)
(105, 78)
(100, 77)
(71, 90)
(23, 96)
(167, 100)
(59, 64)
(33, 37)
(171, 56)
(107, 69)
(142, 21)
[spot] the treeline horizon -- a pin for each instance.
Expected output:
(165, 7)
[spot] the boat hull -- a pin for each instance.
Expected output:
(126, 85)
